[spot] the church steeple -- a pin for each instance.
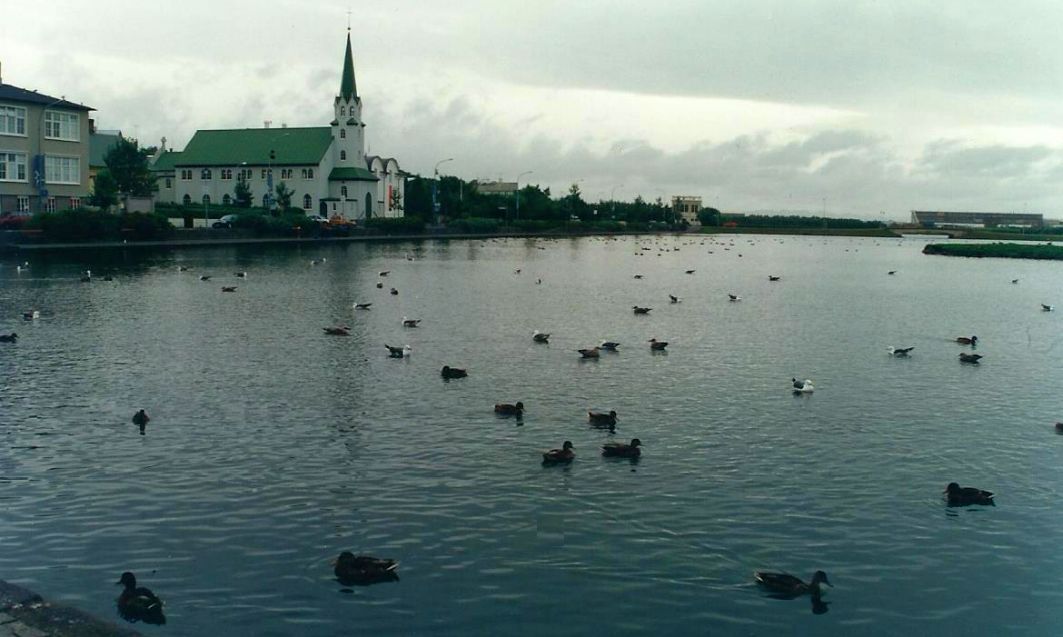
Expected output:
(348, 89)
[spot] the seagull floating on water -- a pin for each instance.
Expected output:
(641, 310)
(362, 306)
(398, 352)
(899, 351)
(384, 273)
(1047, 308)
(240, 275)
(734, 297)
(407, 322)
(673, 298)
(609, 345)
(540, 337)
(30, 315)
(204, 278)
(803, 386)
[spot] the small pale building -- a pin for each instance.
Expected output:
(687, 208)
(325, 167)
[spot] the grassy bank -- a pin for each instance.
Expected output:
(838, 232)
(996, 250)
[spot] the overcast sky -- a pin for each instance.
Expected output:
(852, 106)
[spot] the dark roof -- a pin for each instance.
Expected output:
(99, 144)
(348, 89)
(351, 174)
(293, 146)
(9, 93)
(166, 161)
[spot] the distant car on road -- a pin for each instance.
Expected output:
(224, 222)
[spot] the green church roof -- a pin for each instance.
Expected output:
(352, 174)
(348, 89)
(99, 144)
(166, 161)
(293, 147)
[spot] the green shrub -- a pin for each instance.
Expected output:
(400, 225)
(475, 225)
(95, 225)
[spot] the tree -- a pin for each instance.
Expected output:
(104, 191)
(242, 193)
(284, 196)
(129, 167)
(396, 199)
(709, 217)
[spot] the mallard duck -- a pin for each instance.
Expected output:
(141, 418)
(963, 340)
(899, 351)
(408, 322)
(773, 278)
(341, 330)
(228, 288)
(641, 310)
(802, 386)
(563, 455)
(963, 496)
(506, 409)
(599, 418)
(351, 569)
(786, 584)
(394, 292)
(138, 603)
(452, 372)
(589, 353)
(380, 286)
(8, 338)
(398, 352)
(32, 314)
(657, 346)
(969, 358)
(622, 449)
(362, 306)
(609, 345)
(734, 297)
(540, 337)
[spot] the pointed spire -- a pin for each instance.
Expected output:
(348, 89)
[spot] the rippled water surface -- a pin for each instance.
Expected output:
(272, 447)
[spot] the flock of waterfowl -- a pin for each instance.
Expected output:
(141, 604)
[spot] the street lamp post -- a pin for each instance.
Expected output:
(517, 193)
(435, 187)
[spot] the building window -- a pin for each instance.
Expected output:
(169, 182)
(333, 207)
(50, 204)
(308, 202)
(62, 170)
(12, 166)
(23, 204)
(205, 174)
(12, 120)
(206, 200)
(227, 200)
(186, 200)
(309, 173)
(286, 173)
(186, 174)
(343, 155)
(75, 203)
(343, 110)
(226, 174)
(245, 174)
(343, 191)
(343, 133)
(304, 173)
(62, 125)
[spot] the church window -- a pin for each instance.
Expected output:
(309, 173)
(308, 202)
(343, 133)
(343, 110)
(206, 200)
(205, 174)
(186, 174)
(343, 155)
(226, 174)
(186, 200)
(343, 191)
(304, 173)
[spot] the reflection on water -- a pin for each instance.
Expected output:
(273, 447)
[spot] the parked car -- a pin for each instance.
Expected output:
(224, 222)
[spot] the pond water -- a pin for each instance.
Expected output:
(273, 447)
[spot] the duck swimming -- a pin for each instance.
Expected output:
(228, 288)
(734, 297)
(240, 275)
(970, 358)
(773, 278)
(600, 419)
(540, 337)
(963, 340)
(506, 409)
(406, 322)
(564, 455)
(673, 298)
(609, 345)
(641, 310)
(394, 292)
(138, 603)
(899, 351)
(8, 338)
(622, 450)
(363, 570)
(32, 314)
(1047, 308)
(452, 372)
(589, 353)
(657, 346)
(362, 306)
(786, 584)
(141, 418)
(963, 496)
(341, 330)
(802, 386)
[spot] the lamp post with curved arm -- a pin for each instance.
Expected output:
(526, 172)
(435, 187)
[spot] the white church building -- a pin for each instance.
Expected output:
(325, 167)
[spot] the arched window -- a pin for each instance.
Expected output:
(343, 191)
(343, 110)
(226, 199)
(368, 206)
(205, 175)
(186, 200)
(343, 155)
(206, 200)
(343, 133)
(308, 202)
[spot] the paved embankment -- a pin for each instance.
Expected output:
(24, 613)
